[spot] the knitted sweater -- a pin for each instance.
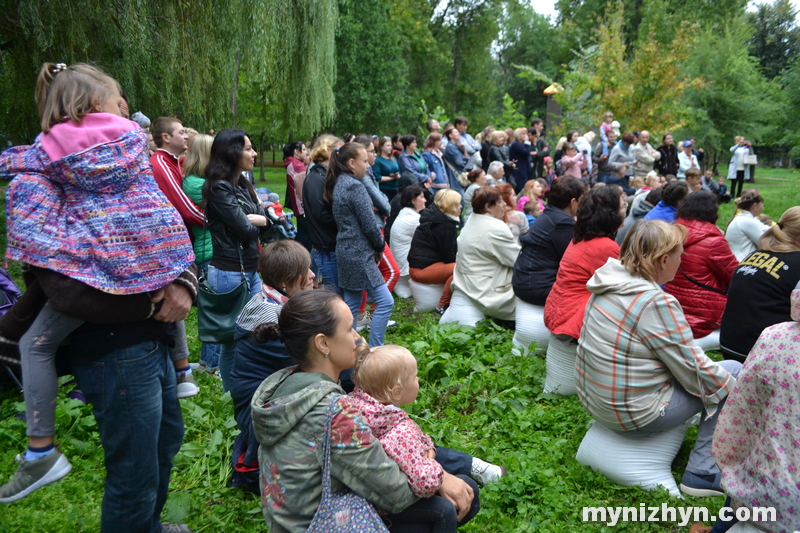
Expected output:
(95, 215)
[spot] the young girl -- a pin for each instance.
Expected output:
(516, 220)
(549, 171)
(70, 207)
(386, 378)
(572, 163)
(359, 243)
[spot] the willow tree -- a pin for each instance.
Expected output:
(174, 57)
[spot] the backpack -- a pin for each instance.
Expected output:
(9, 292)
(559, 169)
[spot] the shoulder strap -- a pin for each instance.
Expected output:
(700, 284)
(326, 449)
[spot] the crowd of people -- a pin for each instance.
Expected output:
(615, 242)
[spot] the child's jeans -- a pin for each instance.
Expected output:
(437, 514)
(38, 348)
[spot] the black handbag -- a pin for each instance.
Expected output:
(217, 312)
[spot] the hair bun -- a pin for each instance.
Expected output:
(267, 332)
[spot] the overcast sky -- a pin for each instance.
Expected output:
(547, 7)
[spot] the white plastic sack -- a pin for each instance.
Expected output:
(630, 461)
(561, 367)
(746, 527)
(426, 297)
(461, 310)
(402, 289)
(530, 328)
(709, 342)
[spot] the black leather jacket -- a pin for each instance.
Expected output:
(226, 211)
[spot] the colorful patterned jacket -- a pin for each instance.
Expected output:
(95, 215)
(403, 440)
(288, 412)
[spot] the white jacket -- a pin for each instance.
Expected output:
(487, 251)
(400, 236)
(743, 234)
(646, 156)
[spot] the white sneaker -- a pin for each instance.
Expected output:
(485, 473)
(187, 386)
(363, 321)
(391, 323)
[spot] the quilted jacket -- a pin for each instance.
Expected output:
(707, 259)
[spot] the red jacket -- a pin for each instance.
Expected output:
(564, 308)
(707, 259)
(167, 173)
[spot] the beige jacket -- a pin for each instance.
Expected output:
(487, 251)
(646, 157)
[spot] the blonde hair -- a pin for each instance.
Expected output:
(496, 134)
(447, 200)
(590, 137)
(783, 236)
(646, 243)
(637, 182)
(527, 190)
(198, 155)
(738, 139)
(381, 369)
(561, 142)
(652, 178)
(70, 92)
(518, 133)
(320, 151)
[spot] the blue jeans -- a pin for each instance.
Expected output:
(226, 281)
(326, 263)
(132, 392)
(435, 514)
(383, 309)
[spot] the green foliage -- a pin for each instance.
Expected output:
(372, 78)
(512, 116)
(438, 114)
(776, 37)
(790, 81)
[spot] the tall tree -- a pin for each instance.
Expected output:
(776, 37)
(372, 79)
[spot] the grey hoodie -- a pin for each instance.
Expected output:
(289, 418)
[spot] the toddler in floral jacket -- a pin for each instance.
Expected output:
(386, 378)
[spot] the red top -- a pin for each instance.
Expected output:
(167, 173)
(707, 259)
(563, 311)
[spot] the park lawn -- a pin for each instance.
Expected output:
(474, 396)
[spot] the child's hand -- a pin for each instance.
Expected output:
(430, 454)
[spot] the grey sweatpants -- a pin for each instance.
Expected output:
(38, 348)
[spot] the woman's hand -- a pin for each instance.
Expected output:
(257, 220)
(458, 492)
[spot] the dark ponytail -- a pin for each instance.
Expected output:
(304, 316)
(337, 166)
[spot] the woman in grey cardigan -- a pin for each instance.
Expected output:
(359, 244)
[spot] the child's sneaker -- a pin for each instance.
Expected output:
(187, 386)
(34, 474)
(485, 473)
(363, 321)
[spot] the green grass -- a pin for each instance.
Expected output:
(474, 396)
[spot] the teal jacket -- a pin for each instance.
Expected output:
(203, 247)
(289, 417)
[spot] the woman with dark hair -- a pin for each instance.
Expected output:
(295, 160)
(668, 163)
(600, 214)
(745, 229)
(386, 169)
(758, 296)
(412, 201)
(456, 159)
(486, 254)
(411, 161)
(235, 220)
(433, 159)
(291, 407)
(544, 244)
(486, 144)
(359, 243)
(477, 179)
(671, 199)
(707, 266)
(285, 268)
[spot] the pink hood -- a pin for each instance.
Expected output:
(68, 137)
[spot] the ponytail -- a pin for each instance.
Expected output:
(337, 166)
(783, 236)
(748, 199)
